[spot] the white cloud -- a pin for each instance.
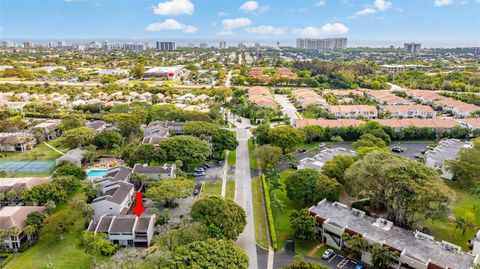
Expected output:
(226, 32)
(174, 7)
(222, 14)
(365, 11)
(249, 6)
(320, 3)
(236, 23)
(442, 3)
(382, 4)
(265, 29)
(171, 24)
(326, 29)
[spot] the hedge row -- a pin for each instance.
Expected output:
(271, 223)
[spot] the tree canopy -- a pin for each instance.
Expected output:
(308, 186)
(210, 253)
(169, 189)
(303, 224)
(223, 217)
(410, 191)
(286, 137)
(466, 168)
(268, 155)
(336, 167)
(190, 150)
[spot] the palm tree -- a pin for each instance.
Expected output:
(50, 206)
(461, 224)
(13, 231)
(277, 206)
(356, 244)
(382, 257)
(11, 195)
(475, 192)
(30, 230)
(87, 212)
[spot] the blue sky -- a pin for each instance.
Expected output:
(441, 22)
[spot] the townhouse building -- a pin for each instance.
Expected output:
(353, 111)
(16, 216)
(415, 249)
(408, 111)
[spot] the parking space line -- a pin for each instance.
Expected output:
(332, 258)
(342, 263)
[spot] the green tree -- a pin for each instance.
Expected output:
(50, 206)
(303, 224)
(268, 155)
(170, 189)
(223, 217)
(199, 128)
(35, 219)
(70, 170)
(187, 233)
(355, 243)
(130, 126)
(466, 168)
(42, 193)
(382, 257)
(336, 167)
(308, 186)
(56, 225)
(369, 140)
(223, 140)
(190, 150)
(210, 253)
(460, 224)
(96, 244)
(72, 121)
(107, 139)
(304, 265)
(286, 137)
(408, 190)
(137, 71)
(69, 183)
(79, 137)
(11, 195)
(475, 191)
(261, 134)
(313, 132)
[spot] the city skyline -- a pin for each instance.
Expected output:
(376, 23)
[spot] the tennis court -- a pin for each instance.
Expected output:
(27, 166)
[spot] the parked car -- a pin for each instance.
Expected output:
(206, 166)
(327, 254)
(360, 266)
(397, 149)
(220, 162)
(198, 174)
(199, 169)
(196, 191)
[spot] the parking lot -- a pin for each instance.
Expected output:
(339, 261)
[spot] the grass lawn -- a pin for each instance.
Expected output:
(211, 188)
(230, 191)
(39, 152)
(63, 254)
(311, 146)
(258, 214)
(232, 158)
(443, 229)
(251, 154)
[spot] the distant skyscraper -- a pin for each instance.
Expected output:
(476, 51)
(191, 45)
(203, 45)
(28, 44)
(223, 45)
(257, 45)
(322, 44)
(412, 48)
(7, 44)
(166, 46)
(61, 44)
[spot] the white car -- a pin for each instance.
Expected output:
(327, 254)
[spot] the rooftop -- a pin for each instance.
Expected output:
(446, 150)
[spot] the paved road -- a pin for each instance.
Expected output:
(287, 107)
(243, 195)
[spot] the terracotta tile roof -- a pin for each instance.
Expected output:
(300, 123)
(408, 108)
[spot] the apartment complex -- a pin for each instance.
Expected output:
(415, 249)
(409, 111)
(354, 111)
(166, 46)
(16, 216)
(322, 44)
(261, 97)
(457, 108)
(305, 97)
(386, 98)
(412, 48)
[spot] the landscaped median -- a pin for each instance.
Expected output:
(251, 153)
(271, 224)
(258, 214)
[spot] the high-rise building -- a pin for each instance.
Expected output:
(191, 45)
(203, 45)
(412, 48)
(322, 44)
(133, 46)
(27, 44)
(61, 44)
(166, 46)
(223, 45)
(7, 44)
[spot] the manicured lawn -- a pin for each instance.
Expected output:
(232, 158)
(39, 152)
(63, 253)
(258, 214)
(212, 188)
(251, 154)
(464, 202)
(230, 191)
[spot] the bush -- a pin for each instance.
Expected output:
(271, 223)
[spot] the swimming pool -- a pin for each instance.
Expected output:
(96, 173)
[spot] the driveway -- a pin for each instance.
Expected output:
(287, 107)
(411, 148)
(337, 261)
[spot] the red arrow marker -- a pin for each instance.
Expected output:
(138, 209)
